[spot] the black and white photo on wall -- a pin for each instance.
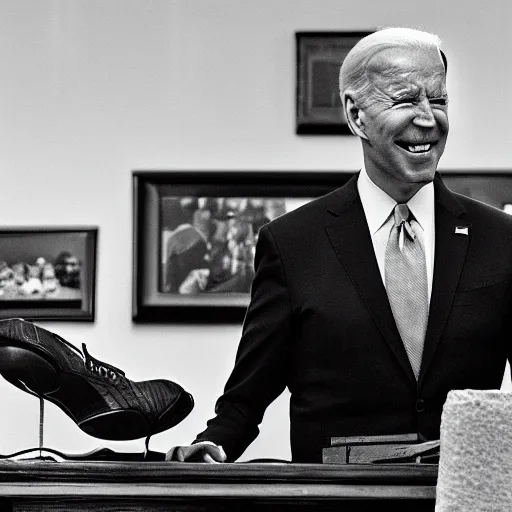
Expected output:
(319, 58)
(48, 273)
(196, 233)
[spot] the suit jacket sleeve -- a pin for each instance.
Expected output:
(260, 371)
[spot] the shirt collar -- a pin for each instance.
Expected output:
(378, 205)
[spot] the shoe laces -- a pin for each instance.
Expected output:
(104, 370)
(99, 368)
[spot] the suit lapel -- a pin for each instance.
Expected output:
(450, 253)
(350, 238)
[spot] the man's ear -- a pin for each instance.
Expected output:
(355, 118)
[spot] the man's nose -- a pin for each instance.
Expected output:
(424, 116)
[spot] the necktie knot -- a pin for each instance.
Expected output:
(402, 215)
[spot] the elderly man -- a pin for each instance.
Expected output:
(374, 301)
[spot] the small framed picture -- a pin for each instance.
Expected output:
(48, 273)
(195, 234)
(319, 58)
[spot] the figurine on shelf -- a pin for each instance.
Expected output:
(33, 283)
(49, 280)
(7, 281)
(20, 271)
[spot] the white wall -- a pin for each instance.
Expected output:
(92, 89)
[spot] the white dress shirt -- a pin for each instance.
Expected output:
(378, 208)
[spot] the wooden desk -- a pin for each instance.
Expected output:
(164, 486)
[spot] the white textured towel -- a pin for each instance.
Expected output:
(475, 466)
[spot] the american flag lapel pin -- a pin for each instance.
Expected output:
(461, 230)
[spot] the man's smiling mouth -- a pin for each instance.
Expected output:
(415, 148)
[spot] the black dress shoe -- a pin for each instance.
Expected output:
(97, 396)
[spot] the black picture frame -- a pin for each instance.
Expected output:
(155, 299)
(48, 273)
(319, 58)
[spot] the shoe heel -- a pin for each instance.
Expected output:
(37, 373)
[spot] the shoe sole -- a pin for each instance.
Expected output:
(41, 376)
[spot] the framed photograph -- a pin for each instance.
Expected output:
(195, 234)
(48, 273)
(319, 58)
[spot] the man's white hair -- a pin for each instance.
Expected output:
(353, 72)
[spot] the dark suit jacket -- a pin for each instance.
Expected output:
(319, 322)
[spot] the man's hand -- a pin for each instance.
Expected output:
(205, 451)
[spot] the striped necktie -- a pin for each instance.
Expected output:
(406, 283)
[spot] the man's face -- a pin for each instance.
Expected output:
(406, 120)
